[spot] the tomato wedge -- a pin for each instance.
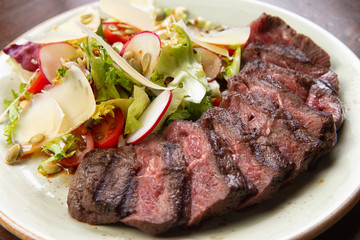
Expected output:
(86, 145)
(117, 32)
(215, 101)
(38, 84)
(106, 133)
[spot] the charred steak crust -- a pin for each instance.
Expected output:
(269, 29)
(267, 120)
(212, 193)
(318, 124)
(103, 186)
(261, 163)
(162, 191)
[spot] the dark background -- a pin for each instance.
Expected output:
(340, 17)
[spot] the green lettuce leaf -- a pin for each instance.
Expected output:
(61, 147)
(107, 77)
(233, 66)
(107, 107)
(137, 107)
(178, 62)
(191, 111)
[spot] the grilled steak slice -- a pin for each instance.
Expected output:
(288, 57)
(103, 186)
(214, 189)
(268, 120)
(268, 92)
(257, 159)
(313, 91)
(270, 30)
(162, 191)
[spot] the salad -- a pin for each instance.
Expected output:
(110, 77)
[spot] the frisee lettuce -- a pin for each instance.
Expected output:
(178, 62)
(61, 147)
(13, 108)
(107, 77)
(233, 65)
(107, 107)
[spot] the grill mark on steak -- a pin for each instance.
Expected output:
(313, 91)
(257, 159)
(103, 186)
(290, 58)
(268, 120)
(318, 124)
(270, 30)
(212, 193)
(162, 191)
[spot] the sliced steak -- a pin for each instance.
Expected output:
(162, 191)
(288, 57)
(313, 91)
(269, 30)
(215, 189)
(269, 121)
(257, 159)
(267, 92)
(103, 186)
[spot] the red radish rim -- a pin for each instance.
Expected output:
(38, 57)
(156, 122)
(127, 43)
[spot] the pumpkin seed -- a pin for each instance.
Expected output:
(135, 64)
(130, 31)
(121, 25)
(128, 55)
(145, 61)
(24, 104)
(112, 27)
(36, 139)
(86, 18)
(13, 154)
(50, 168)
(160, 15)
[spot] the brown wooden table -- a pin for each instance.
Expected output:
(340, 17)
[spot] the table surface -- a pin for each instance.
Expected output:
(340, 17)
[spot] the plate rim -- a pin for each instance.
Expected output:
(311, 232)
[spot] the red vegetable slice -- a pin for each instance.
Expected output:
(106, 133)
(37, 84)
(117, 32)
(216, 101)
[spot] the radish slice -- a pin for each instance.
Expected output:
(49, 58)
(210, 62)
(123, 11)
(145, 48)
(121, 62)
(151, 117)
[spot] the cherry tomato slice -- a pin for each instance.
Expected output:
(86, 145)
(38, 84)
(116, 32)
(106, 133)
(215, 101)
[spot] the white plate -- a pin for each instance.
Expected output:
(34, 207)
